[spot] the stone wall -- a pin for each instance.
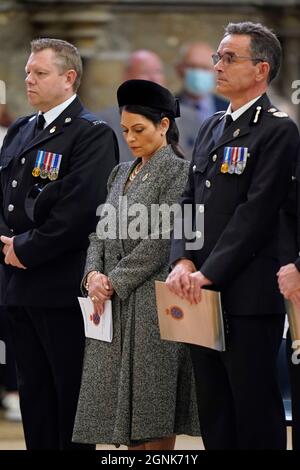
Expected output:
(106, 32)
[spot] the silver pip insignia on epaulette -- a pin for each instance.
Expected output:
(95, 123)
(280, 114)
(275, 112)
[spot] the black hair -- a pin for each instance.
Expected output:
(155, 116)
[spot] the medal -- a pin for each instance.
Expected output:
(226, 160)
(242, 160)
(53, 174)
(36, 172)
(231, 168)
(38, 163)
(54, 166)
(45, 166)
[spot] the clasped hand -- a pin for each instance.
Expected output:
(186, 282)
(9, 252)
(289, 283)
(100, 290)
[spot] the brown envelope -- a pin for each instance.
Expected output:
(293, 314)
(200, 324)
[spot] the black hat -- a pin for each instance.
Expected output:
(146, 93)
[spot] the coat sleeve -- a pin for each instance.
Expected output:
(72, 217)
(247, 231)
(289, 223)
(288, 244)
(178, 246)
(95, 252)
(150, 255)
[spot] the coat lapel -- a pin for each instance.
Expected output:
(26, 133)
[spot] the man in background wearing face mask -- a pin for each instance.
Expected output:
(195, 69)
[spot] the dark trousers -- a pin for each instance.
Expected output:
(239, 400)
(49, 345)
(293, 358)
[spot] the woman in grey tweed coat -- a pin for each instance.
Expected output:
(137, 390)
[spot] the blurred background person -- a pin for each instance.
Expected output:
(195, 69)
(5, 121)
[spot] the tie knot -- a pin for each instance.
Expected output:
(40, 122)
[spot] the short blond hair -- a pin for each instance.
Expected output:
(68, 56)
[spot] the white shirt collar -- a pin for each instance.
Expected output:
(236, 114)
(53, 113)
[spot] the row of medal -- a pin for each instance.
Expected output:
(47, 165)
(234, 160)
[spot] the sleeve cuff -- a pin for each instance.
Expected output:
(297, 263)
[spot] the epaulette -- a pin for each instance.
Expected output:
(276, 113)
(90, 117)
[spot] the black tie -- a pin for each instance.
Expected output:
(222, 126)
(228, 120)
(40, 122)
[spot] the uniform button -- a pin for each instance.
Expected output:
(194, 168)
(198, 234)
(207, 183)
(14, 183)
(23, 160)
(201, 208)
(12, 230)
(214, 158)
(11, 207)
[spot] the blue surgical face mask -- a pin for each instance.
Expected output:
(199, 81)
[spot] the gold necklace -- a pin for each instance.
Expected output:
(136, 171)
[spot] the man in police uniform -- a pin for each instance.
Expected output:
(289, 284)
(240, 176)
(54, 168)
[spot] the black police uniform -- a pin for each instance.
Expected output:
(289, 253)
(238, 396)
(47, 326)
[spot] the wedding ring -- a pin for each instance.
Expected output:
(192, 286)
(94, 298)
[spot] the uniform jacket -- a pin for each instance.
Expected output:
(137, 387)
(289, 241)
(241, 211)
(53, 245)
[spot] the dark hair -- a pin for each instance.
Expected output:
(155, 116)
(67, 55)
(264, 43)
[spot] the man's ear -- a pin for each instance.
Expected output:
(71, 77)
(263, 69)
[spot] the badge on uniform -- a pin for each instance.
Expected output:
(47, 165)
(234, 160)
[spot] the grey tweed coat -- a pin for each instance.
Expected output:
(138, 387)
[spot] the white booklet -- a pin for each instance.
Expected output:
(96, 326)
